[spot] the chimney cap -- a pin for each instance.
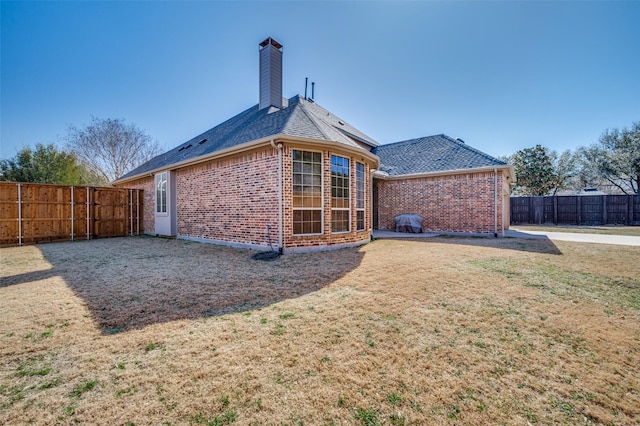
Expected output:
(272, 42)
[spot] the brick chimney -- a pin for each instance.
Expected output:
(270, 74)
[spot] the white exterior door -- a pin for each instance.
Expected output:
(165, 208)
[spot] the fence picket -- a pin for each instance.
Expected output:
(48, 213)
(591, 210)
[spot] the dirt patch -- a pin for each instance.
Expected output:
(462, 330)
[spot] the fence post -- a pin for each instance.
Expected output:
(555, 209)
(72, 213)
(604, 209)
(138, 211)
(131, 212)
(579, 206)
(531, 211)
(19, 214)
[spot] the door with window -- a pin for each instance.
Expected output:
(165, 203)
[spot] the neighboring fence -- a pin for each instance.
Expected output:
(32, 213)
(577, 210)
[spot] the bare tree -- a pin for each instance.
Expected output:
(614, 159)
(110, 147)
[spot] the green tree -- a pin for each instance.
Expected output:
(110, 147)
(535, 172)
(46, 164)
(614, 159)
(565, 165)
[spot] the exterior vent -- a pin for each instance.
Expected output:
(270, 74)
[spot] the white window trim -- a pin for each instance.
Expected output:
(364, 197)
(321, 208)
(166, 191)
(347, 209)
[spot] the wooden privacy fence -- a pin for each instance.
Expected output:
(32, 213)
(577, 210)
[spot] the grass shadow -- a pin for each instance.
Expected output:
(538, 244)
(133, 282)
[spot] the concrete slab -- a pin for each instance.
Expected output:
(623, 240)
(377, 234)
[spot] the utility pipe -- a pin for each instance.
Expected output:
(280, 215)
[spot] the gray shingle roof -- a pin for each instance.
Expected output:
(431, 154)
(301, 118)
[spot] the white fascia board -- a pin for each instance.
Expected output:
(511, 174)
(247, 146)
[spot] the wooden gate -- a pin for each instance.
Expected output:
(33, 213)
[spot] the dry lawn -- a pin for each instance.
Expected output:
(443, 330)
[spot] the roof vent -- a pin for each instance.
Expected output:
(202, 141)
(459, 140)
(270, 74)
(341, 122)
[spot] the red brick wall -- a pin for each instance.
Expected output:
(234, 199)
(293, 242)
(454, 203)
(147, 185)
(231, 200)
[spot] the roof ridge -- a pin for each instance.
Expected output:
(409, 140)
(312, 119)
(470, 148)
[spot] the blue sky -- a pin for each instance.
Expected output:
(501, 75)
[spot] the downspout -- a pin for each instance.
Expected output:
(495, 202)
(280, 230)
(371, 204)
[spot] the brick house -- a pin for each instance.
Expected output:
(290, 172)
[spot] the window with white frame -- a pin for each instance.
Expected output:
(161, 192)
(360, 198)
(340, 196)
(307, 192)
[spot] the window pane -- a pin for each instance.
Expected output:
(340, 220)
(297, 227)
(360, 220)
(307, 192)
(161, 192)
(360, 186)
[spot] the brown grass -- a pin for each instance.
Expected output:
(458, 330)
